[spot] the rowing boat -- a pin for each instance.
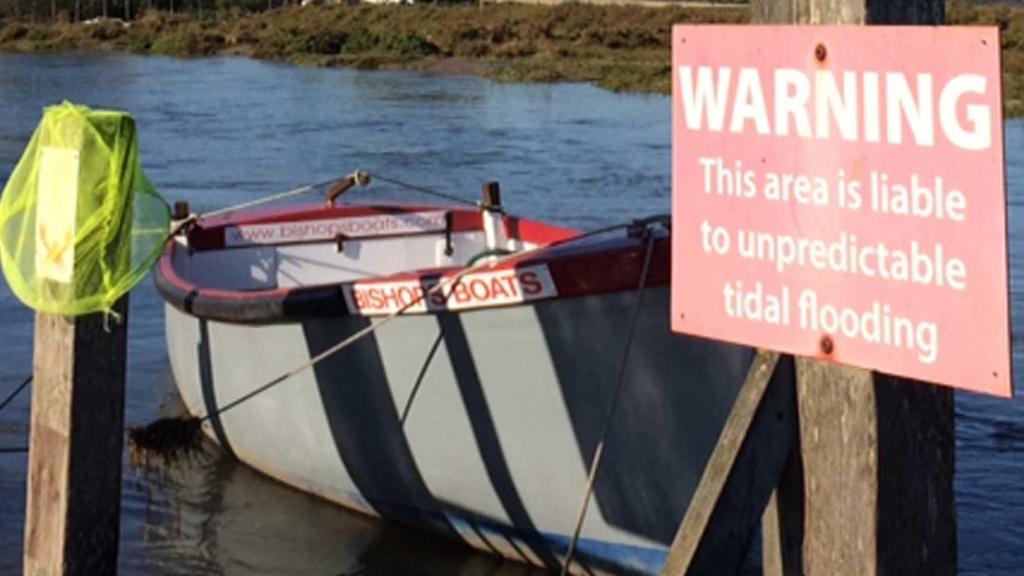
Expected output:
(516, 348)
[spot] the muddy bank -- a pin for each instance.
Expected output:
(621, 48)
(616, 47)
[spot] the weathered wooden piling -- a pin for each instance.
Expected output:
(877, 452)
(77, 428)
(81, 226)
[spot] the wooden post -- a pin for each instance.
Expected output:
(77, 430)
(877, 452)
(491, 194)
(782, 527)
(878, 455)
(744, 468)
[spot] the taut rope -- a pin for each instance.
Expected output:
(595, 463)
(360, 178)
(425, 190)
(10, 397)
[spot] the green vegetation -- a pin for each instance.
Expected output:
(1010, 20)
(617, 47)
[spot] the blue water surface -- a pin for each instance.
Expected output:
(223, 130)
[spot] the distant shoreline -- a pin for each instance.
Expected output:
(621, 48)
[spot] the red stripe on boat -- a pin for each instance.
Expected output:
(562, 271)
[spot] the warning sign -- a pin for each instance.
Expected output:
(839, 192)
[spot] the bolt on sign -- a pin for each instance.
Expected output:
(839, 193)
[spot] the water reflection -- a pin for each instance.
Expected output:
(213, 515)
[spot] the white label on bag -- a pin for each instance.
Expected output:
(56, 210)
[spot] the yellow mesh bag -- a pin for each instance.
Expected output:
(80, 224)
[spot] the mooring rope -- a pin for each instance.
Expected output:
(366, 331)
(268, 199)
(10, 397)
(361, 177)
(423, 190)
(595, 462)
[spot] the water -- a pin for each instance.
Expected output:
(219, 131)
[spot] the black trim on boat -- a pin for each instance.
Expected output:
(316, 301)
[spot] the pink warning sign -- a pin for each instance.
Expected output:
(839, 193)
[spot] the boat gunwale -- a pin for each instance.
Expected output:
(571, 265)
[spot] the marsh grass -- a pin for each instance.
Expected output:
(617, 47)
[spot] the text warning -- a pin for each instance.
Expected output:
(839, 193)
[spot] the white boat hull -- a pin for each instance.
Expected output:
(479, 424)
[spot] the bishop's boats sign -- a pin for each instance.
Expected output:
(839, 192)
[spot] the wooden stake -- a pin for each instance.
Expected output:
(878, 459)
(782, 527)
(741, 473)
(77, 430)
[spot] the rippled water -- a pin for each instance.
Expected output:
(219, 131)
